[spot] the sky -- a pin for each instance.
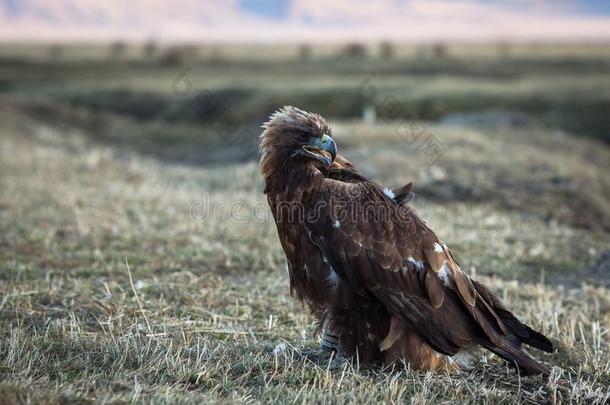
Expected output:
(270, 21)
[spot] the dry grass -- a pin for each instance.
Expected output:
(209, 301)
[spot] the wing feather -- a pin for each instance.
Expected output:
(400, 261)
(391, 262)
(435, 289)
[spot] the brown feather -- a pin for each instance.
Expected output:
(435, 289)
(463, 282)
(397, 330)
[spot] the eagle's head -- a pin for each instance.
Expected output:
(294, 139)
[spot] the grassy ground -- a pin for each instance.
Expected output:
(114, 289)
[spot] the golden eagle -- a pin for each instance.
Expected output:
(374, 274)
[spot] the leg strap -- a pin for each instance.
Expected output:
(330, 340)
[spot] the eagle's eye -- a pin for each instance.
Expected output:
(303, 135)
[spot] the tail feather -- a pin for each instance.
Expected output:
(505, 334)
(517, 356)
(530, 337)
(523, 332)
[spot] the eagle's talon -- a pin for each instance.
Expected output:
(322, 357)
(337, 362)
(316, 355)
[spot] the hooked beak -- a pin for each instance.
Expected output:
(321, 148)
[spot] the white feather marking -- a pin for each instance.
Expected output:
(417, 263)
(438, 248)
(443, 273)
(337, 224)
(333, 279)
(388, 192)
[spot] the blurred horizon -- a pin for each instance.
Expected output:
(275, 21)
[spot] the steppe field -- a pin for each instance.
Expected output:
(139, 262)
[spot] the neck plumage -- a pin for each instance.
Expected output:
(290, 182)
